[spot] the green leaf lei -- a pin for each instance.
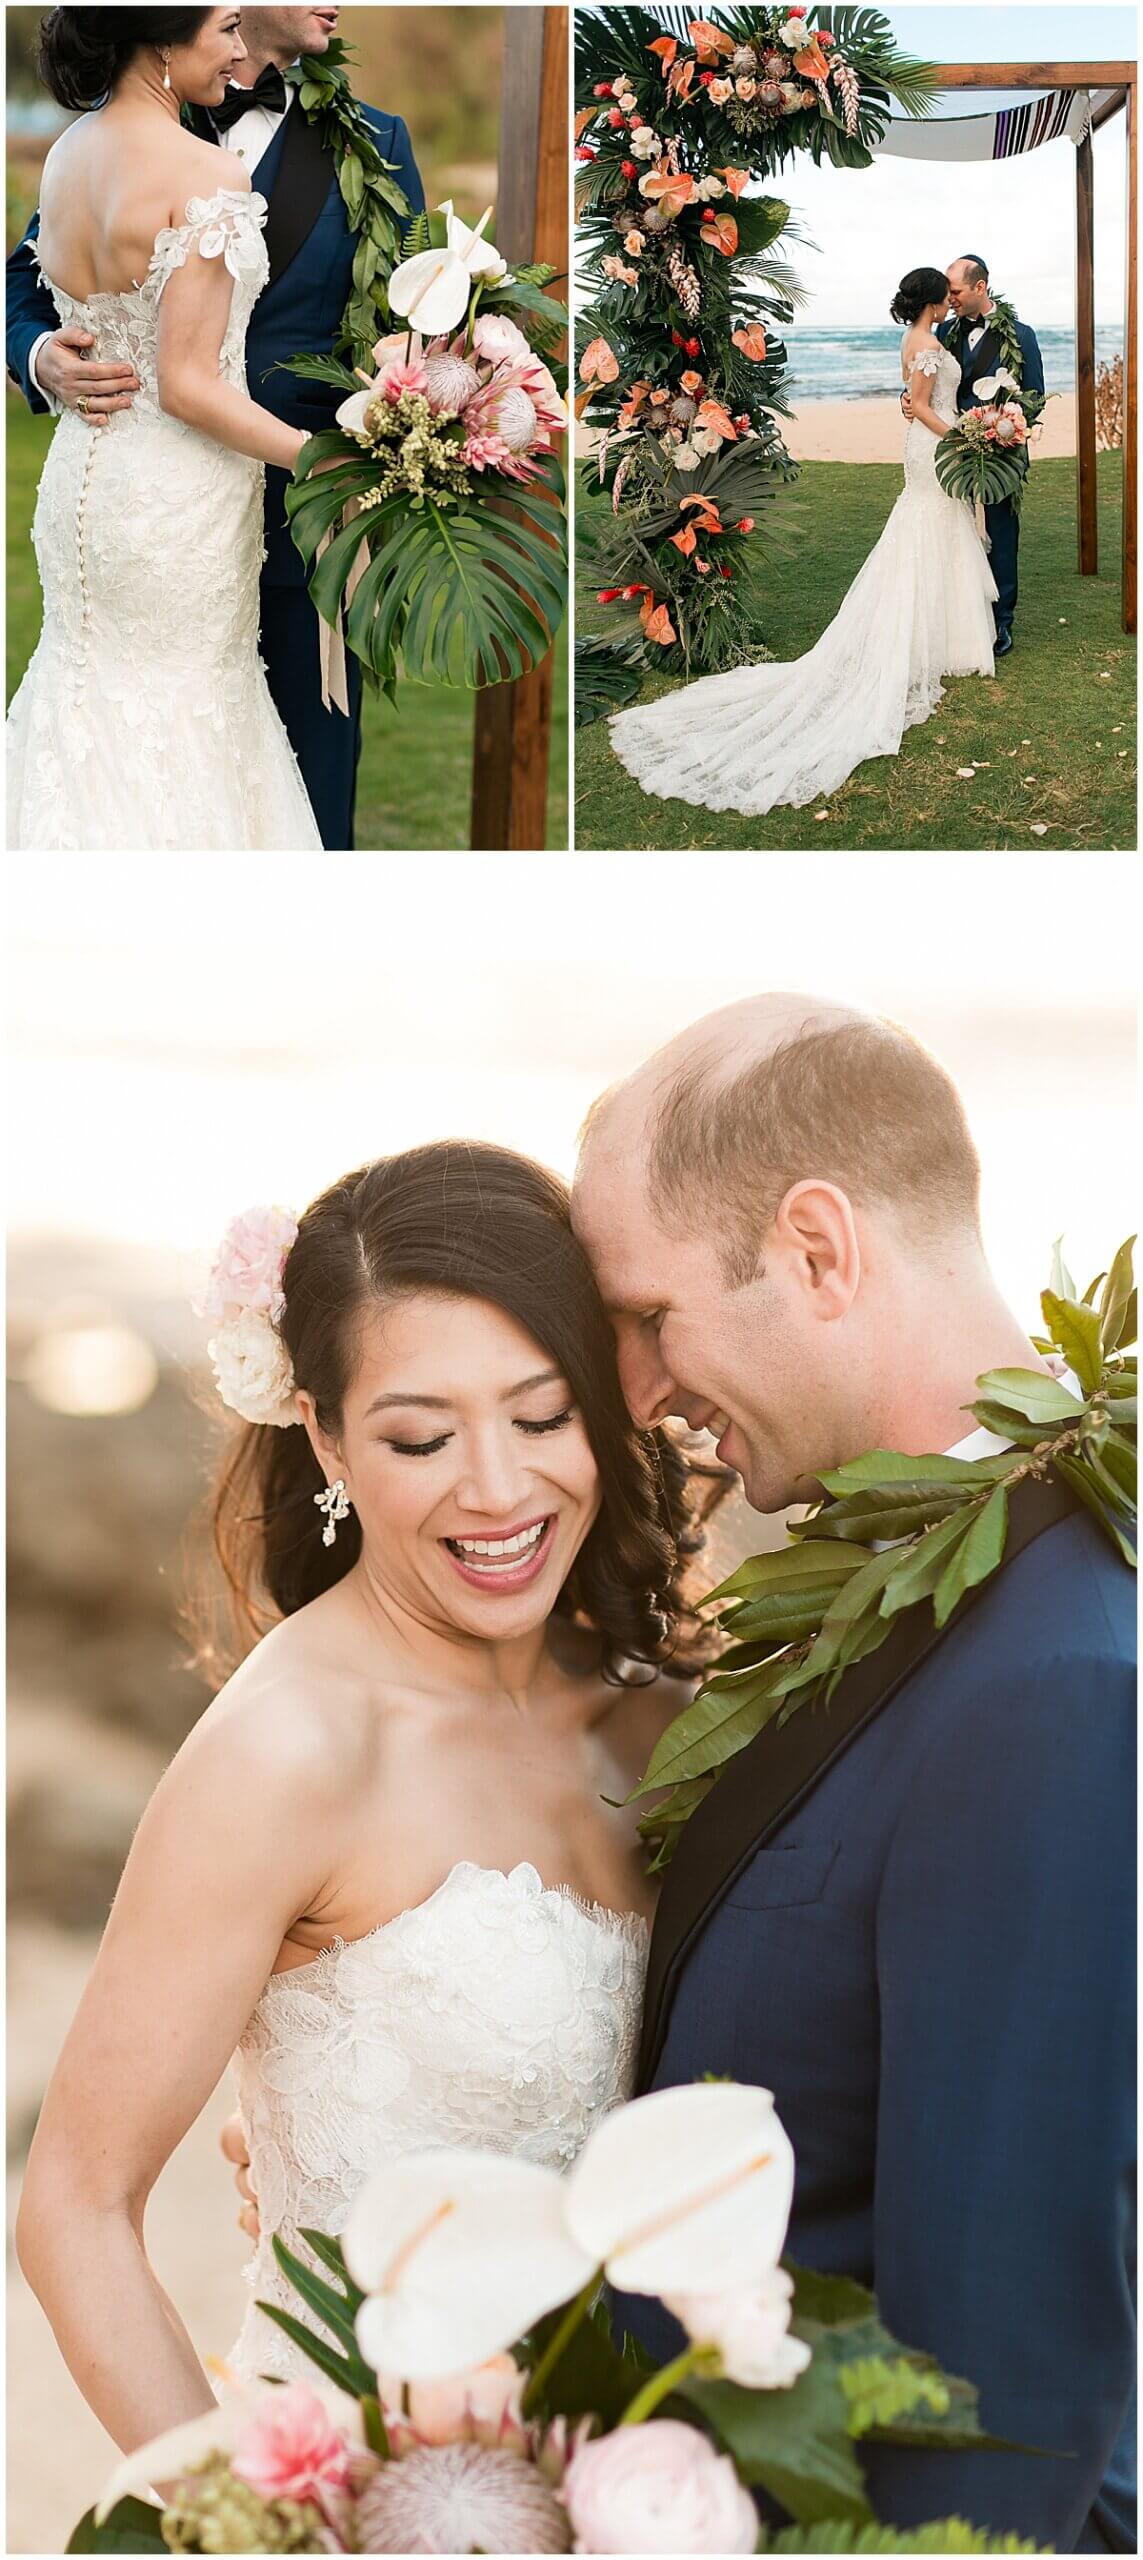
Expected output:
(374, 203)
(898, 1531)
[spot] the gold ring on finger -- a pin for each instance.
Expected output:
(81, 404)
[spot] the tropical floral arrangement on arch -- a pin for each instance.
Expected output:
(681, 357)
(472, 2397)
(432, 513)
(898, 1532)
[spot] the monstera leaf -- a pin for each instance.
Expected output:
(463, 596)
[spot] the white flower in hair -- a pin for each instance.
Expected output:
(245, 1300)
(252, 1369)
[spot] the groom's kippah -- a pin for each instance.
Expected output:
(971, 260)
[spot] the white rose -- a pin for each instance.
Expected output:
(795, 35)
(750, 2330)
(252, 1369)
(658, 2487)
(644, 143)
(686, 459)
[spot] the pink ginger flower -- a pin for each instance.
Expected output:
(292, 2448)
(247, 1269)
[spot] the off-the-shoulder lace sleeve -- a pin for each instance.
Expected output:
(228, 225)
(926, 360)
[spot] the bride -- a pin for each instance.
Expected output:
(144, 721)
(919, 609)
(386, 1866)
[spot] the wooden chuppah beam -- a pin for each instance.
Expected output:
(513, 721)
(1035, 75)
(1131, 376)
(1086, 521)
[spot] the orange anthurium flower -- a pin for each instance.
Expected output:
(680, 78)
(721, 234)
(657, 623)
(709, 41)
(686, 541)
(709, 521)
(597, 363)
(667, 47)
(691, 381)
(711, 414)
(633, 403)
(812, 63)
(671, 188)
(751, 342)
(737, 180)
(586, 116)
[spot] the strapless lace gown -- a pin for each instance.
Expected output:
(919, 609)
(502, 2014)
(144, 722)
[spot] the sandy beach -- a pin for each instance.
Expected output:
(871, 430)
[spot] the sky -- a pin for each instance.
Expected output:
(188, 1040)
(871, 225)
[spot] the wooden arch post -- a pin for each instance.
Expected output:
(513, 721)
(1120, 77)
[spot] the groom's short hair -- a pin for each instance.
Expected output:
(977, 271)
(858, 1103)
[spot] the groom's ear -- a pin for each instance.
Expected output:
(817, 1232)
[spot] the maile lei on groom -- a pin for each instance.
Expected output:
(1003, 343)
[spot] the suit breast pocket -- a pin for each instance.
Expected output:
(778, 1879)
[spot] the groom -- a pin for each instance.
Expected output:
(909, 1912)
(311, 247)
(979, 356)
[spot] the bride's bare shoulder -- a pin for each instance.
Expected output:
(300, 1703)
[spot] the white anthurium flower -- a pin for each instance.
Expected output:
(685, 2192)
(459, 2252)
(351, 414)
(432, 290)
(994, 382)
(219, 2430)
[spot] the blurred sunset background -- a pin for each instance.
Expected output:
(188, 1040)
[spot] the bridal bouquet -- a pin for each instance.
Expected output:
(473, 2398)
(433, 510)
(983, 457)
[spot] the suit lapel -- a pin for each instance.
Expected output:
(298, 190)
(985, 355)
(770, 1781)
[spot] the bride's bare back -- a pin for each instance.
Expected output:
(111, 184)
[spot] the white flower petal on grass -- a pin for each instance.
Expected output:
(459, 2252)
(966, 773)
(687, 2191)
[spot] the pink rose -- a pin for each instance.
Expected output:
(495, 337)
(751, 2331)
(292, 2448)
(659, 2487)
(247, 1269)
(720, 91)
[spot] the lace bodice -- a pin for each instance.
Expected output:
(502, 2013)
(125, 326)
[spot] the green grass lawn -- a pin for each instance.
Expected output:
(415, 780)
(1052, 734)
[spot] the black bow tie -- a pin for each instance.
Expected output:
(269, 90)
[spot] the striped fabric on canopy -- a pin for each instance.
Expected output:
(993, 137)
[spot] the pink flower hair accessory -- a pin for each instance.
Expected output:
(245, 1300)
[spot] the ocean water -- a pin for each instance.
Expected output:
(853, 364)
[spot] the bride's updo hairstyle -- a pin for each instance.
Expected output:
(82, 52)
(470, 1221)
(921, 286)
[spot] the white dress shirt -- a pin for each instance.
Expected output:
(249, 139)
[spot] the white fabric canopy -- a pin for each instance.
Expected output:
(999, 136)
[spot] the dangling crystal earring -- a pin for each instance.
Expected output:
(335, 1504)
(166, 67)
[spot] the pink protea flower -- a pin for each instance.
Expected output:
(247, 1269)
(292, 2448)
(460, 2498)
(479, 2407)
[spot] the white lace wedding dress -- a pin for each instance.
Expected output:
(501, 2014)
(919, 609)
(144, 722)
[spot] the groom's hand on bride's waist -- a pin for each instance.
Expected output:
(64, 372)
(234, 2147)
(907, 403)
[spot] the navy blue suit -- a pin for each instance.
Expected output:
(311, 250)
(930, 1963)
(1002, 523)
